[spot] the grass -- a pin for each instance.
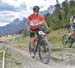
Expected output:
(54, 38)
(22, 43)
(1, 52)
(19, 42)
(1, 55)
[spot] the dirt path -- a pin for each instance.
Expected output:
(24, 58)
(61, 58)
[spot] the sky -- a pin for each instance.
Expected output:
(12, 9)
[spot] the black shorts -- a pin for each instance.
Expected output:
(32, 32)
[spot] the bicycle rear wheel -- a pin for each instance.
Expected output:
(44, 51)
(67, 43)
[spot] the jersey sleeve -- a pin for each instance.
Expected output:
(29, 18)
(41, 18)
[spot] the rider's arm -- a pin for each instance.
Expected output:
(45, 24)
(27, 24)
(71, 20)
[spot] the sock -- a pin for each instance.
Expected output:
(33, 49)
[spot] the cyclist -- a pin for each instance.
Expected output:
(33, 23)
(72, 27)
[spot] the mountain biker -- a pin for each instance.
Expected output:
(33, 23)
(72, 27)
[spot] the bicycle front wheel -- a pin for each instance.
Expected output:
(65, 42)
(44, 51)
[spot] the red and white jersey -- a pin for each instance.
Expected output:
(34, 21)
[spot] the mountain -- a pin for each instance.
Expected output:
(13, 27)
(50, 10)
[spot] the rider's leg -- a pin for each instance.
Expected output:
(68, 37)
(73, 35)
(70, 34)
(32, 42)
(32, 38)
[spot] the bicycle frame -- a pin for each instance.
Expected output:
(39, 38)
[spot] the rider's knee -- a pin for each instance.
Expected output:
(32, 35)
(72, 33)
(32, 39)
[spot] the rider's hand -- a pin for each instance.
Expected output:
(47, 31)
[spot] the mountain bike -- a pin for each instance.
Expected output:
(42, 47)
(69, 42)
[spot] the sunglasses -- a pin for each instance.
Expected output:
(36, 10)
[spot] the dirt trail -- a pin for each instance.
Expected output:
(61, 58)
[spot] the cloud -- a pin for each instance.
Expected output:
(4, 7)
(6, 17)
(9, 16)
(11, 9)
(3, 24)
(8, 7)
(8, 12)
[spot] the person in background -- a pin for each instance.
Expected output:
(72, 27)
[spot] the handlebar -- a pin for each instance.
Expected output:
(47, 32)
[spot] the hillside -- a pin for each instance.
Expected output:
(13, 27)
(61, 16)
